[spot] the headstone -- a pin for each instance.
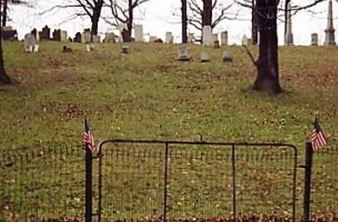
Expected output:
(86, 36)
(288, 38)
(63, 36)
(109, 37)
(139, 33)
(190, 38)
(9, 34)
(216, 44)
(29, 43)
(250, 42)
(45, 33)
(57, 35)
(244, 40)
(224, 38)
(66, 49)
(183, 54)
(227, 57)
(90, 48)
(205, 57)
(214, 37)
(125, 49)
(152, 38)
(96, 39)
(329, 31)
(314, 39)
(78, 37)
(35, 33)
(169, 38)
(207, 36)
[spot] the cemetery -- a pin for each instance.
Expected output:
(125, 126)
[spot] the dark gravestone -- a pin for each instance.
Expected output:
(34, 32)
(77, 37)
(45, 33)
(57, 35)
(9, 34)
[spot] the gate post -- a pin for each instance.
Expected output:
(88, 186)
(307, 182)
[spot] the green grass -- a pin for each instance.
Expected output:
(148, 94)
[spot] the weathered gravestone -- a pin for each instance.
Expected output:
(205, 57)
(109, 37)
(29, 43)
(216, 44)
(45, 33)
(139, 33)
(224, 38)
(329, 31)
(125, 49)
(63, 36)
(78, 37)
(56, 35)
(314, 39)
(190, 38)
(183, 54)
(96, 39)
(86, 36)
(207, 36)
(227, 57)
(169, 38)
(9, 34)
(152, 38)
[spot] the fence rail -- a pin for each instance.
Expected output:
(163, 180)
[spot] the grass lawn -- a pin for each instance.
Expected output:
(148, 94)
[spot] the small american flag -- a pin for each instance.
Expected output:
(88, 138)
(318, 139)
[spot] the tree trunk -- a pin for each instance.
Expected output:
(131, 17)
(4, 78)
(96, 17)
(4, 13)
(267, 65)
(207, 13)
(254, 27)
(184, 21)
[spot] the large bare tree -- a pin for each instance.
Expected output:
(207, 12)
(4, 78)
(123, 13)
(267, 63)
(184, 18)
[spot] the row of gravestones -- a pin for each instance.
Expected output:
(183, 55)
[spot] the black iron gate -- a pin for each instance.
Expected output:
(171, 180)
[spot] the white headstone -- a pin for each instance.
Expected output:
(85, 37)
(169, 38)
(139, 33)
(109, 37)
(207, 36)
(152, 38)
(314, 39)
(224, 38)
(205, 57)
(29, 43)
(63, 36)
(183, 54)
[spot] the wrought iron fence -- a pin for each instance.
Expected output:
(44, 182)
(154, 180)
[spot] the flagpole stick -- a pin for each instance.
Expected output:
(307, 183)
(89, 170)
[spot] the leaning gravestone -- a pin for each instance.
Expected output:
(183, 54)
(207, 36)
(205, 57)
(314, 39)
(29, 43)
(227, 57)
